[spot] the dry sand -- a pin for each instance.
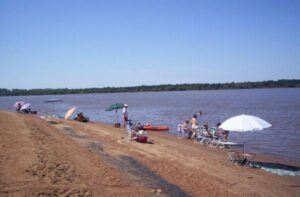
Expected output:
(65, 158)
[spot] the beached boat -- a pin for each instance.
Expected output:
(149, 127)
(53, 100)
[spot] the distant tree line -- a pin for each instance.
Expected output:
(290, 83)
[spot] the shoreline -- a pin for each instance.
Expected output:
(259, 156)
(63, 157)
(267, 157)
(172, 135)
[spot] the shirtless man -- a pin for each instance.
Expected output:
(194, 123)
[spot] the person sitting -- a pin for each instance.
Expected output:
(25, 111)
(81, 118)
(207, 130)
(223, 132)
(184, 127)
(18, 109)
(131, 134)
(136, 126)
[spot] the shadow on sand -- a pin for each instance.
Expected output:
(139, 173)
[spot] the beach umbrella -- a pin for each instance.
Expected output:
(25, 106)
(19, 103)
(70, 112)
(244, 123)
(115, 106)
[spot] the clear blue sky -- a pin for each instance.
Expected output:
(94, 43)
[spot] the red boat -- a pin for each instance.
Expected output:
(149, 127)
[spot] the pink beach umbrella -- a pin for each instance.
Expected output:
(21, 103)
(70, 112)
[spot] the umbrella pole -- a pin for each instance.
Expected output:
(117, 116)
(244, 143)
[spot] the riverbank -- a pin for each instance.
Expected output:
(55, 157)
(283, 83)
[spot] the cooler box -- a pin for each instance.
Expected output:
(142, 138)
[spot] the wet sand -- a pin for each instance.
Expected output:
(52, 157)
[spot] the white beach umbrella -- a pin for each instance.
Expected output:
(243, 123)
(25, 106)
(70, 112)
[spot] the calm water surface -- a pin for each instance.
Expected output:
(280, 107)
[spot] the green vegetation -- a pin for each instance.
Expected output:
(293, 83)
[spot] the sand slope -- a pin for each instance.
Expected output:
(65, 158)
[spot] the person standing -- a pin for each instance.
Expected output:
(125, 115)
(194, 123)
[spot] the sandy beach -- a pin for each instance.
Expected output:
(50, 157)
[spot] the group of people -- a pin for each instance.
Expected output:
(190, 127)
(81, 118)
(19, 109)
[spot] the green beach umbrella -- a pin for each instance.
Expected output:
(115, 106)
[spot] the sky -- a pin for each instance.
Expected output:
(118, 43)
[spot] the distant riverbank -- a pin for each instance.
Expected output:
(284, 83)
